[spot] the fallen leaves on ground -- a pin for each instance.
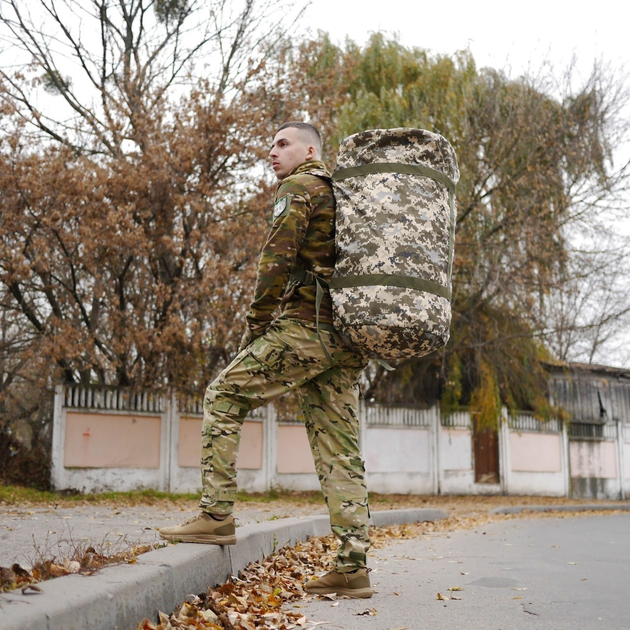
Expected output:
(254, 600)
(84, 560)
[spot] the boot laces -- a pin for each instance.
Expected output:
(192, 519)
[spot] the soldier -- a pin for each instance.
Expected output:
(290, 343)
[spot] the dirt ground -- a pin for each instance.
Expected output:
(282, 504)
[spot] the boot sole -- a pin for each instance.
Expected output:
(207, 539)
(355, 593)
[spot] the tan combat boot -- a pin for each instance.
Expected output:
(202, 529)
(354, 584)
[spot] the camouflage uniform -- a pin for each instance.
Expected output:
(287, 353)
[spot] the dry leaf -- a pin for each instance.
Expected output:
(442, 597)
(57, 571)
(208, 615)
(369, 612)
(32, 587)
(188, 611)
(19, 571)
(455, 588)
(71, 566)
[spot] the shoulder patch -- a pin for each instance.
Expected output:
(281, 206)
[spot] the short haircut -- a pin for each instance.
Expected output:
(311, 130)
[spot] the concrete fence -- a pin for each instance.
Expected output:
(106, 439)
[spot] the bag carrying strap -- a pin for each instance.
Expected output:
(306, 277)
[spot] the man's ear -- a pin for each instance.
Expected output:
(311, 153)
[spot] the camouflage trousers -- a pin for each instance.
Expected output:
(288, 356)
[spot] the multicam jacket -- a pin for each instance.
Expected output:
(302, 236)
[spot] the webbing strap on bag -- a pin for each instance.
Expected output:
(306, 278)
(389, 280)
(394, 167)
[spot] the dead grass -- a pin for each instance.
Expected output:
(280, 499)
(68, 555)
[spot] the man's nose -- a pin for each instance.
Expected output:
(273, 153)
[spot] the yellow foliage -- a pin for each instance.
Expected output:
(486, 399)
(452, 391)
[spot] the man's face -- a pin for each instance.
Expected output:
(290, 148)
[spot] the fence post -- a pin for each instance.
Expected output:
(270, 447)
(436, 430)
(58, 439)
(566, 458)
(620, 458)
(505, 465)
(170, 416)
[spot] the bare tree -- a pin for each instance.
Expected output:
(588, 314)
(113, 63)
(127, 251)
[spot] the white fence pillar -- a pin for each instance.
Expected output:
(270, 447)
(505, 466)
(566, 459)
(58, 440)
(170, 456)
(436, 428)
(621, 468)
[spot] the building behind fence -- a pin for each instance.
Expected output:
(107, 439)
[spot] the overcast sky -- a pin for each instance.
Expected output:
(499, 34)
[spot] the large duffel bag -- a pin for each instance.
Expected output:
(395, 223)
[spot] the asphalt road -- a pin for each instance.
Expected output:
(543, 574)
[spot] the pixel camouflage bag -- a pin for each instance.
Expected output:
(395, 225)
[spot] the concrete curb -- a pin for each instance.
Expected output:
(624, 507)
(119, 597)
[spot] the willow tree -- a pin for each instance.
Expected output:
(533, 164)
